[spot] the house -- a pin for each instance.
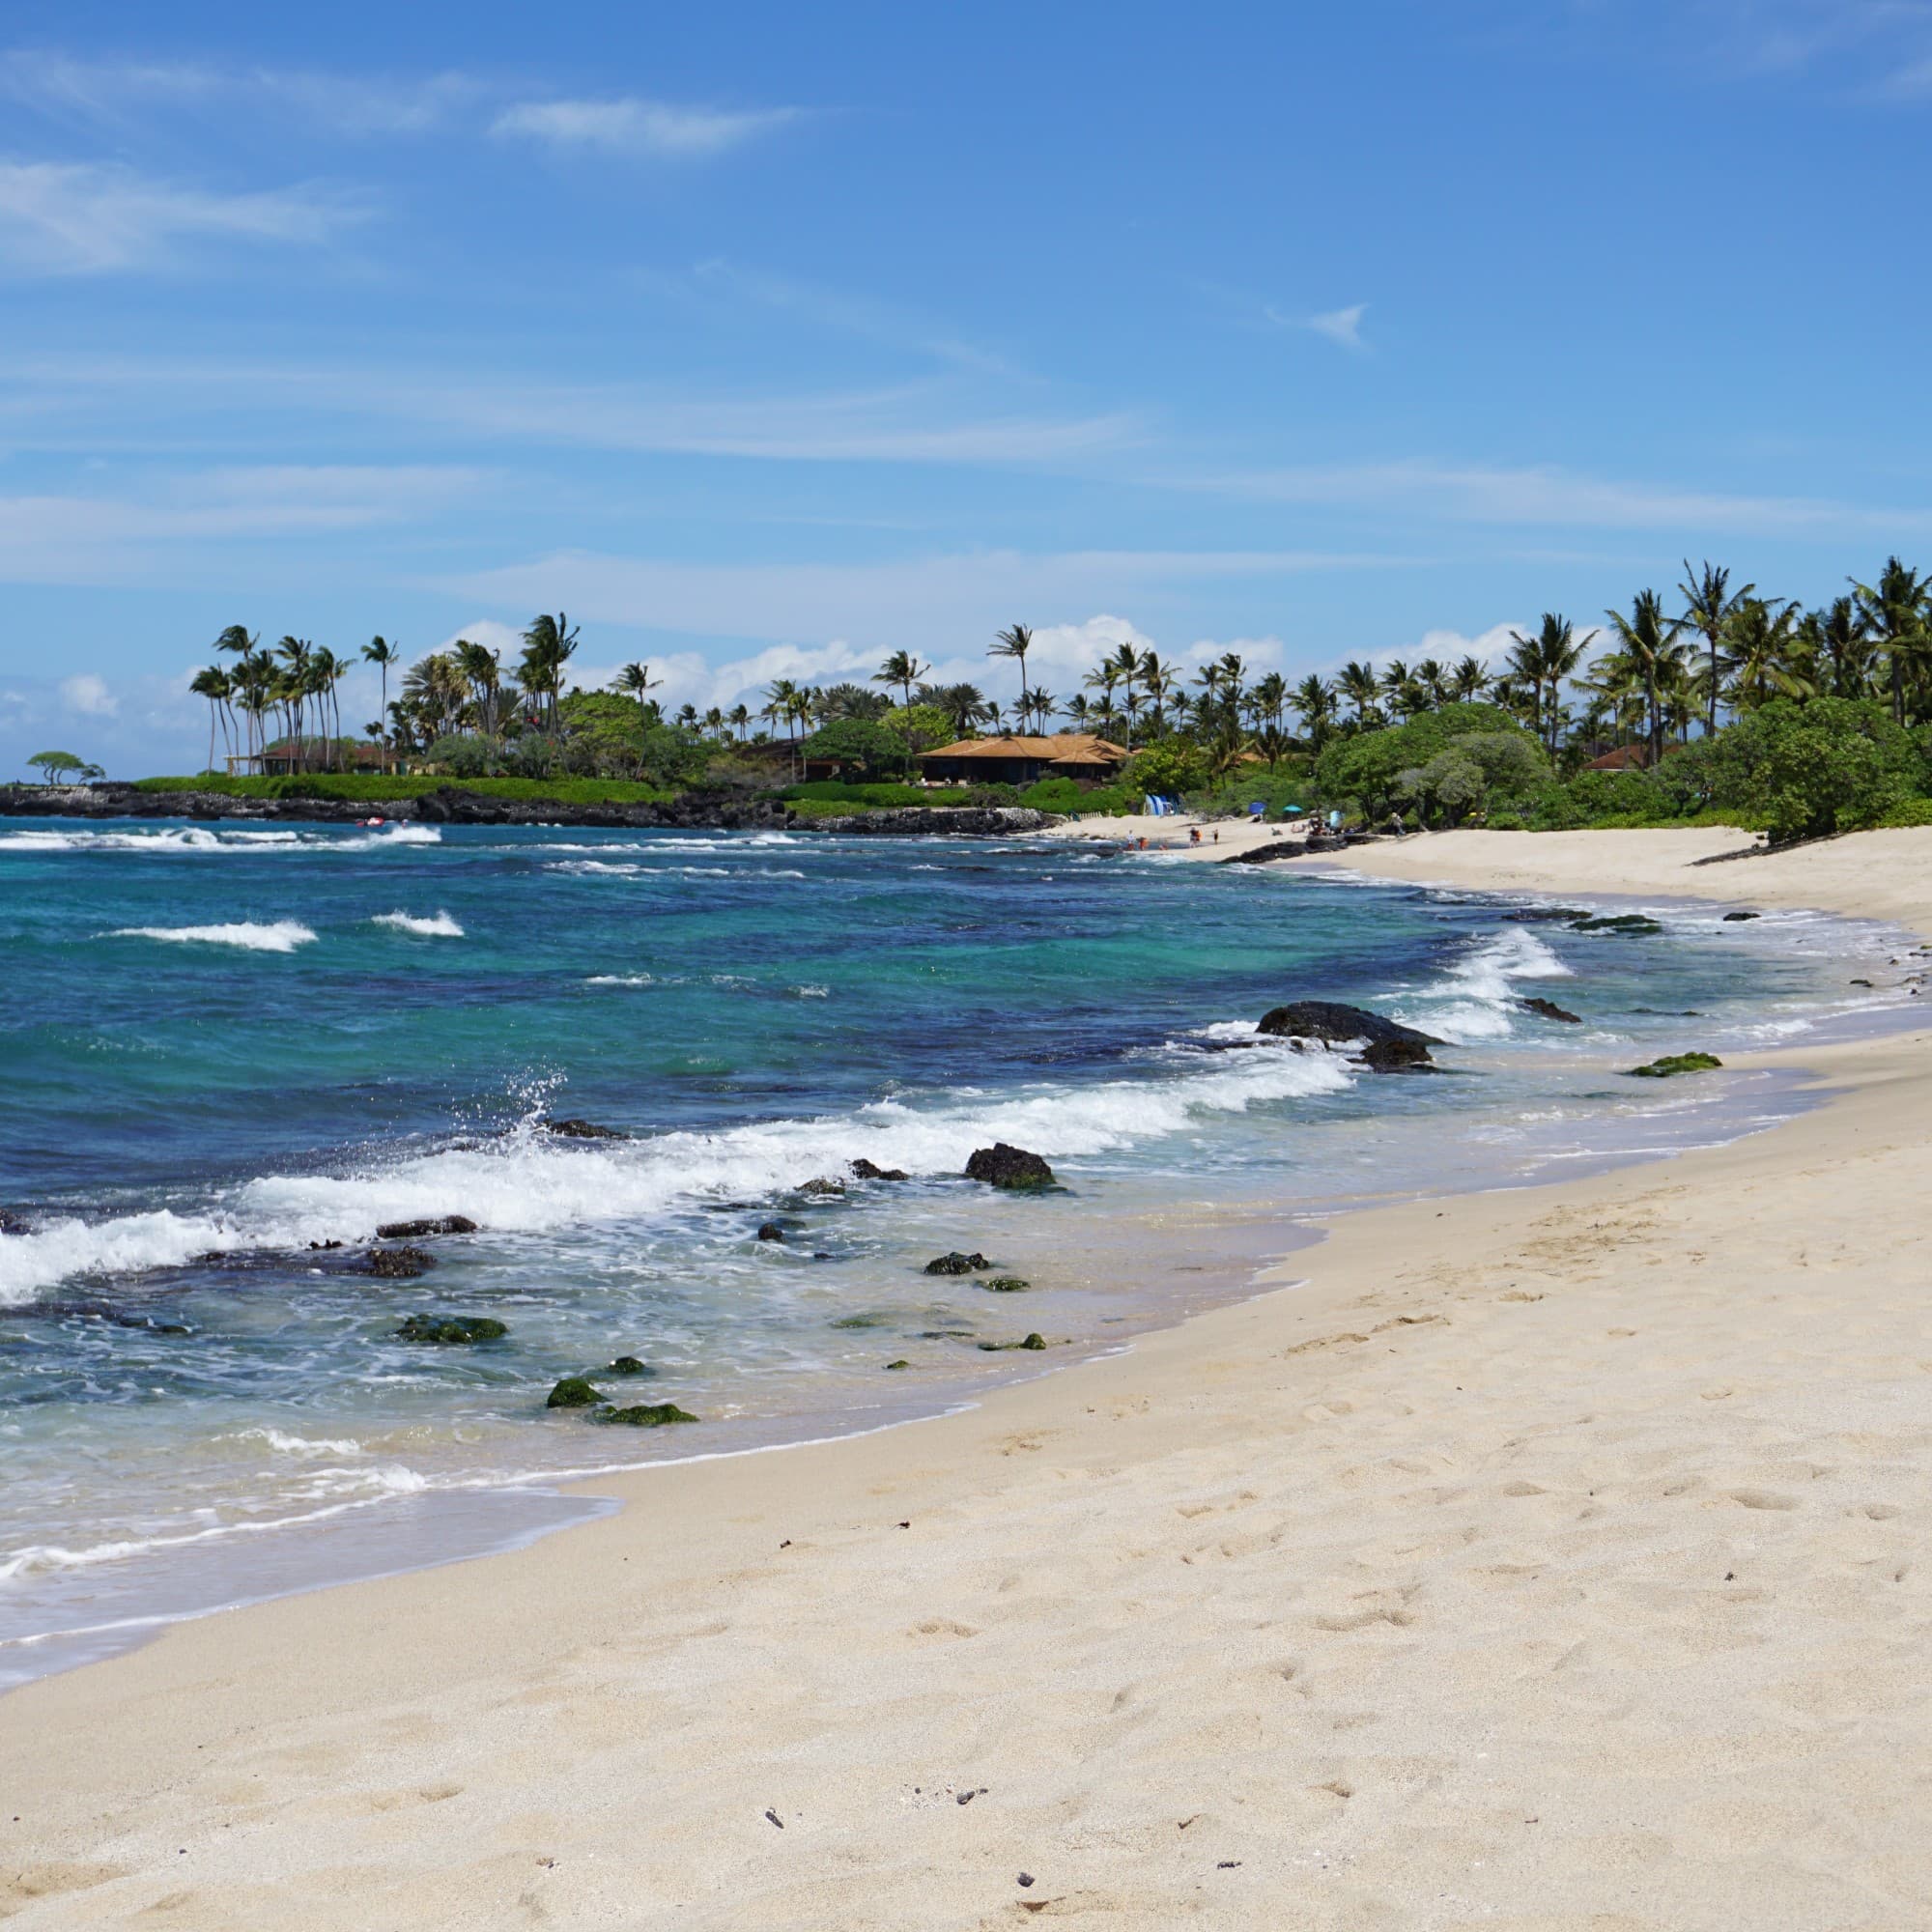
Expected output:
(1625, 759)
(286, 756)
(1024, 761)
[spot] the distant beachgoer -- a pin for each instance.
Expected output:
(1398, 825)
(1144, 841)
(1217, 835)
(1194, 835)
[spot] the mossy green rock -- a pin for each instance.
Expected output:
(1623, 922)
(1006, 1283)
(957, 1263)
(1668, 1063)
(629, 1365)
(574, 1392)
(648, 1416)
(450, 1330)
(901, 1363)
(1031, 1342)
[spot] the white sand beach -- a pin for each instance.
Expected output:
(1552, 1558)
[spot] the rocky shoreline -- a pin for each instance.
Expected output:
(451, 805)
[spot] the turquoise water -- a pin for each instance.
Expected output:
(227, 1047)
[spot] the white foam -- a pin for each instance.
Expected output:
(303, 1447)
(525, 1182)
(621, 979)
(438, 926)
(1476, 997)
(282, 935)
(389, 839)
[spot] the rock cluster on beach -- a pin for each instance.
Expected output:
(1332, 1022)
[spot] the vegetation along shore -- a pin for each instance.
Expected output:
(1713, 703)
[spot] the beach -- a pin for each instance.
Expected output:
(1546, 1557)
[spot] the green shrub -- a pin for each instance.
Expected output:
(1834, 764)
(1068, 797)
(1167, 770)
(876, 752)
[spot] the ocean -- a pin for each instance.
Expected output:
(231, 1053)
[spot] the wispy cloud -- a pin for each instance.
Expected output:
(1341, 326)
(629, 125)
(94, 218)
(722, 285)
(112, 92)
(121, 538)
(915, 422)
(1553, 497)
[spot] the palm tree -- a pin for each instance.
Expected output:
(1469, 680)
(714, 721)
(739, 719)
(1270, 697)
(1361, 686)
(326, 671)
(1764, 639)
(1157, 680)
(294, 654)
(1014, 642)
(1709, 607)
(482, 671)
(1843, 642)
(1313, 701)
(548, 646)
(214, 685)
(963, 704)
(1075, 710)
(381, 653)
(1543, 663)
(636, 679)
(1895, 612)
(904, 670)
(1650, 639)
(1435, 683)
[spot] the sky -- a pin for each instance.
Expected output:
(765, 340)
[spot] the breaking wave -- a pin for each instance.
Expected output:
(437, 927)
(282, 935)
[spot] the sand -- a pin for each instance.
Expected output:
(1549, 1558)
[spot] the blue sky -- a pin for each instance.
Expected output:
(764, 340)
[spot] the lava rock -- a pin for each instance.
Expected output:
(867, 1170)
(1623, 922)
(398, 1263)
(12, 1223)
(574, 1392)
(957, 1263)
(822, 1186)
(1003, 1166)
(648, 1416)
(1330, 1021)
(1395, 1056)
(629, 1365)
(1006, 1283)
(901, 1363)
(451, 1330)
(583, 1130)
(769, 1230)
(1549, 1010)
(1669, 1063)
(1732, 918)
(415, 1231)
(323, 1247)
(1031, 1341)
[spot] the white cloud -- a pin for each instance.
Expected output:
(89, 695)
(1341, 326)
(628, 125)
(93, 217)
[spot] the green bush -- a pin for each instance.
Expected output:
(1068, 796)
(870, 797)
(1834, 764)
(1167, 770)
(876, 752)
(1376, 769)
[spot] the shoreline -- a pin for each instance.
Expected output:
(1086, 1525)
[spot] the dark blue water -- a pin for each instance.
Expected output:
(224, 1045)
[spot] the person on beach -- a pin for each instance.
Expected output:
(1194, 835)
